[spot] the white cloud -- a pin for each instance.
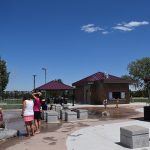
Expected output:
(130, 25)
(122, 28)
(125, 27)
(105, 32)
(136, 24)
(90, 28)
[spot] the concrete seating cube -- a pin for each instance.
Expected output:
(62, 114)
(53, 107)
(70, 116)
(5, 134)
(51, 117)
(134, 136)
(48, 106)
(82, 113)
(43, 115)
(58, 107)
(65, 106)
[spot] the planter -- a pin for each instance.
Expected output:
(147, 113)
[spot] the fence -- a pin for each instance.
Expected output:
(16, 103)
(11, 104)
(140, 99)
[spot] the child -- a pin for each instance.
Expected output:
(105, 103)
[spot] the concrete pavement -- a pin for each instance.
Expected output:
(101, 137)
(90, 134)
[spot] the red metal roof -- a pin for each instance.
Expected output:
(101, 76)
(55, 85)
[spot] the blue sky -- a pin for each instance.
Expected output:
(71, 38)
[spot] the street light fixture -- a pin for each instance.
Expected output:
(45, 70)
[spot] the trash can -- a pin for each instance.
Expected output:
(147, 113)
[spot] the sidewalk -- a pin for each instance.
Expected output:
(90, 134)
(101, 137)
(105, 136)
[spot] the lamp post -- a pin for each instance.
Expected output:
(34, 81)
(45, 71)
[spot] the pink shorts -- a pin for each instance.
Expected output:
(28, 118)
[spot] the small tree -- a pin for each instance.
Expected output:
(4, 76)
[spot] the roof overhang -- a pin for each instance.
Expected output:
(120, 81)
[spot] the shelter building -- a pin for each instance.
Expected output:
(99, 86)
(56, 89)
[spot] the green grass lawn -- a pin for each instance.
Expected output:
(11, 104)
(139, 99)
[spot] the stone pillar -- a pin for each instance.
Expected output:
(52, 117)
(82, 114)
(70, 116)
(62, 114)
(134, 136)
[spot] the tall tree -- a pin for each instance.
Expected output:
(4, 76)
(59, 80)
(127, 77)
(138, 70)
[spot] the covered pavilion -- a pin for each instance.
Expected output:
(56, 89)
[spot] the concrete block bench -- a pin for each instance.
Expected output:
(65, 106)
(8, 133)
(53, 107)
(58, 107)
(134, 136)
(70, 116)
(43, 115)
(82, 113)
(52, 117)
(62, 114)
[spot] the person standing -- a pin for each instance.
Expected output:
(48, 103)
(1, 115)
(117, 103)
(28, 115)
(37, 110)
(73, 98)
(105, 103)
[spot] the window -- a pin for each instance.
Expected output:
(110, 96)
(115, 95)
(122, 95)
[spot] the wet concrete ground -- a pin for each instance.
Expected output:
(14, 121)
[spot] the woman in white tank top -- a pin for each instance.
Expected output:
(28, 115)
